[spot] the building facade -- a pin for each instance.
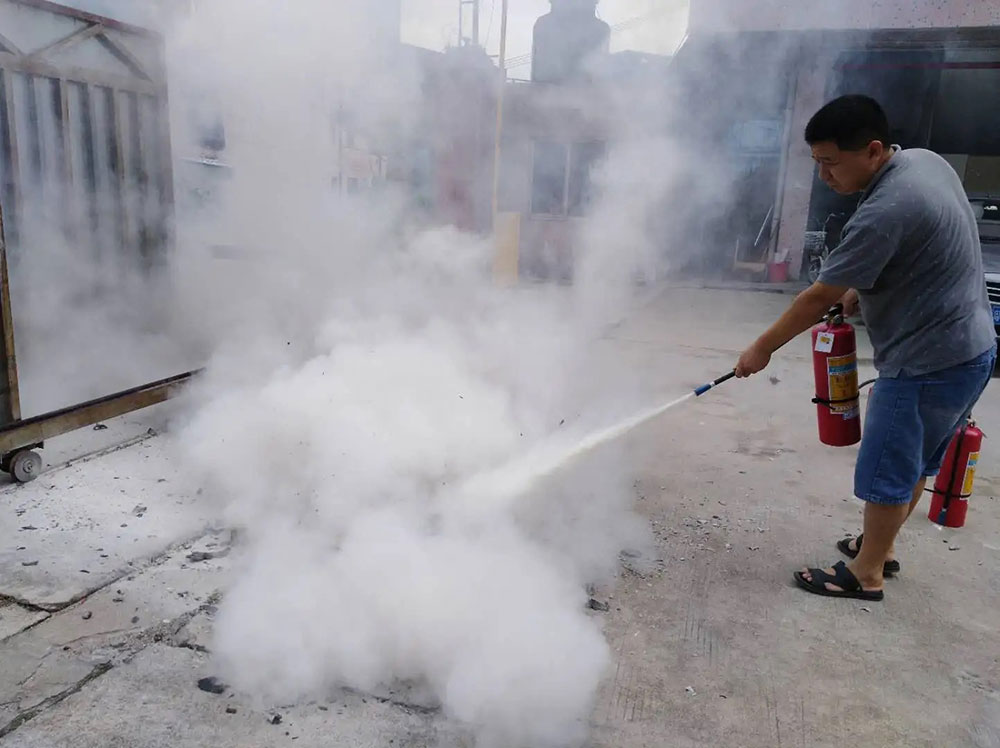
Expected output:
(934, 66)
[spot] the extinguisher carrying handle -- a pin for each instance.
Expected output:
(831, 403)
(948, 496)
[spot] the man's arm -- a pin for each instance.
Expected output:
(807, 309)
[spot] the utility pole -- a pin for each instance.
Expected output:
(502, 64)
(504, 267)
(463, 38)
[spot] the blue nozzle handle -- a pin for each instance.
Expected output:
(706, 387)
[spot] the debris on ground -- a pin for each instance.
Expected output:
(139, 510)
(212, 685)
(197, 556)
(598, 605)
(275, 720)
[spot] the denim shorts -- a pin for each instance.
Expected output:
(909, 424)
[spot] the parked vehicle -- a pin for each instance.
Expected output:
(987, 210)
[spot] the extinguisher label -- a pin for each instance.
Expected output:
(824, 342)
(842, 372)
(970, 473)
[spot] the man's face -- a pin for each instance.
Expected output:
(847, 172)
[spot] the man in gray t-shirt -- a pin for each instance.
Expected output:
(912, 252)
(911, 257)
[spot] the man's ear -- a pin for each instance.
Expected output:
(875, 149)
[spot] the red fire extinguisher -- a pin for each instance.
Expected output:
(835, 363)
(953, 486)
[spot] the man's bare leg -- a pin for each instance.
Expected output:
(884, 523)
(918, 491)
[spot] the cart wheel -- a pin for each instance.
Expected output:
(25, 466)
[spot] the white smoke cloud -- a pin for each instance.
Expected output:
(365, 370)
(346, 472)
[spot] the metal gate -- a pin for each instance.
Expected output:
(85, 151)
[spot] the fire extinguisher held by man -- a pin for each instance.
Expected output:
(910, 257)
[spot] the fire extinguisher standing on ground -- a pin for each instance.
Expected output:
(953, 486)
(835, 363)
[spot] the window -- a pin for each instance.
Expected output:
(561, 177)
(585, 157)
(548, 182)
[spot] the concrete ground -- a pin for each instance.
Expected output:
(109, 574)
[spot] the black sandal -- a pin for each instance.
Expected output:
(844, 546)
(843, 578)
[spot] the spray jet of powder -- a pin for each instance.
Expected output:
(499, 486)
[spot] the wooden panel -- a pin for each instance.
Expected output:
(77, 37)
(64, 129)
(10, 399)
(81, 75)
(12, 158)
(82, 15)
(121, 167)
(35, 430)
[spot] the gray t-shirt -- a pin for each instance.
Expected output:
(912, 251)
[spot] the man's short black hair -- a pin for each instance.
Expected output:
(852, 122)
